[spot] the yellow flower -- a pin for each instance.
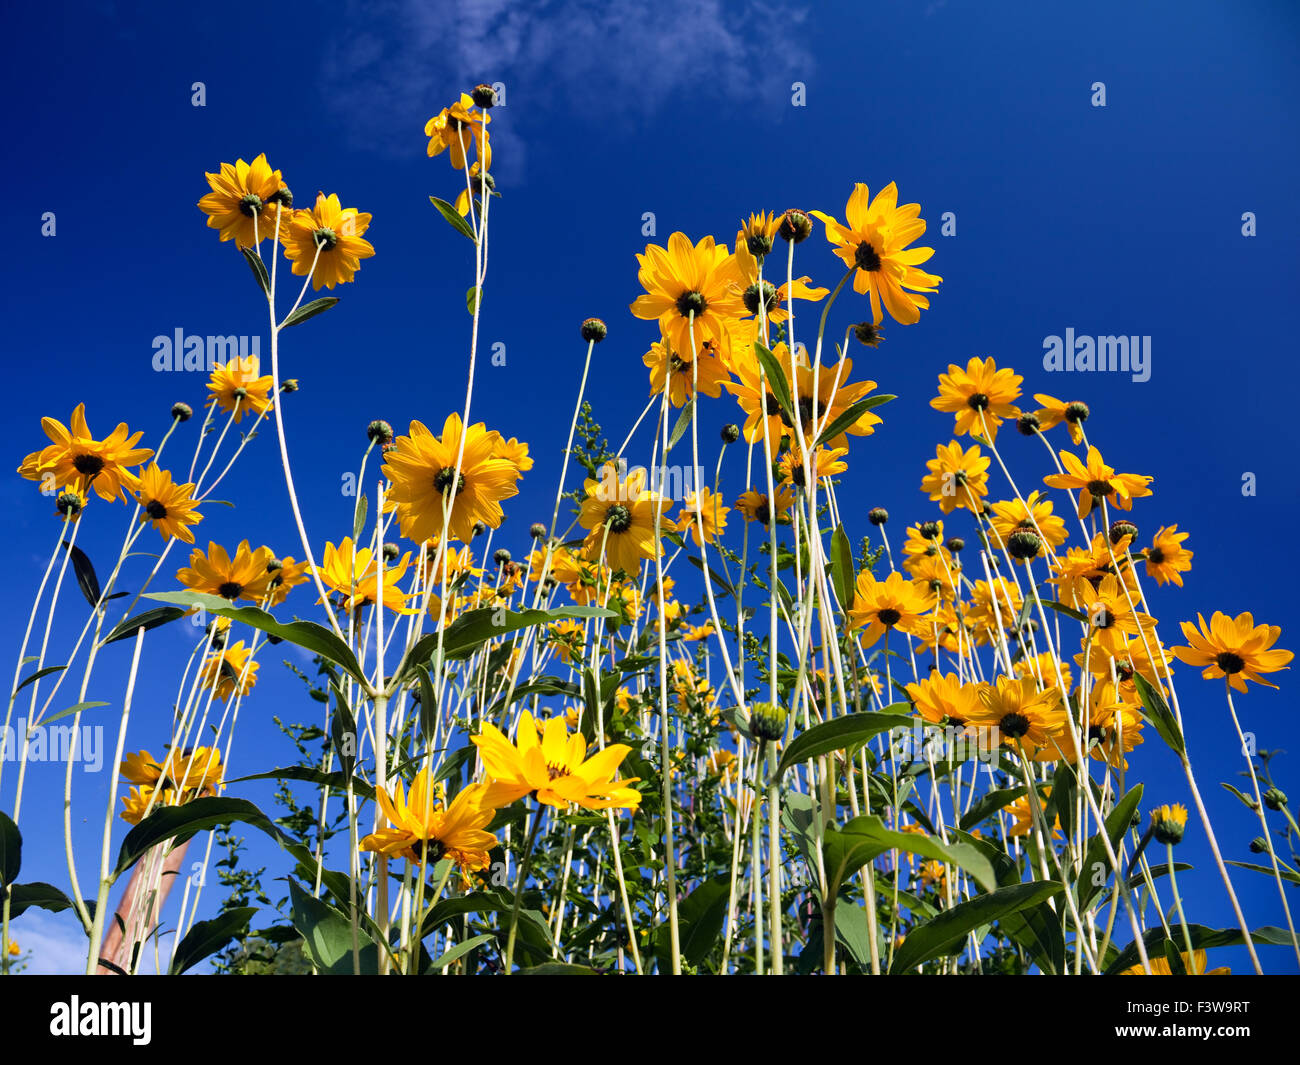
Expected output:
(421, 830)
(980, 396)
(1109, 614)
(554, 768)
(327, 241)
(422, 469)
(825, 462)
(1023, 816)
(169, 507)
(957, 478)
(704, 514)
(1013, 514)
(1167, 559)
(944, 698)
(894, 603)
(243, 201)
(567, 637)
(216, 573)
(993, 607)
(355, 576)
(455, 128)
(1113, 727)
(693, 633)
(755, 234)
(685, 283)
(706, 374)
(1042, 668)
(225, 671)
(875, 241)
(1021, 713)
(14, 948)
(754, 505)
(619, 515)
(1097, 481)
(284, 578)
(515, 452)
(935, 873)
(1235, 648)
(1193, 965)
(236, 387)
(1054, 412)
(75, 458)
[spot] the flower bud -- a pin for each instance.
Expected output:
(730, 433)
(877, 516)
(379, 432)
(594, 330)
(767, 721)
(795, 226)
(182, 412)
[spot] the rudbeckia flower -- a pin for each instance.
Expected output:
(1193, 965)
(333, 230)
(423, 476)
(824, 462)
(225, 671)
(75, 458)
(1023, 817)
(236, 387)
(701, 280)
(285, 577)
(704, 514)
(1167, 559)
(705, 374)
(620, 515)
(894, 603)
(980, 389)
(987, 615)
(1097, 481)
(1110, 617)
(1235, 648)
(243, 201)
(355, 576)
(1022, 713)
(757, 232)
(1053, 412)
(957, 478)
(216, 573)
(947, 698)
(1034, 514)
(755, 505)
(421, 830)
(875, 241)
(455, 128)
(169, 507)
(554, 767)
(567, 638)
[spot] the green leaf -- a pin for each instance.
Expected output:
(11, 850)
(453, 218)
(1038, 930)
(207, 937)
(312, 775)
(842, 732)
(865, 838)
(842, 567)
(308, 634)
(309, 310)
(76, 708)
(939, 935)
(258, 267)
(86, 579)
(1267, 870)
(471, 298)
(45, 896)
(461, 949)
(558, 968)
(327, 936)
(359, 518)
(851, 415)
(1061, 608)
(683, 423)
(150, 619)
(177, 822)
(1157, 711)
(1249, 802)
(1117, 823)
(1202, 939)
(989, 804)
(776, 380)
(37, 676)
(700, 918)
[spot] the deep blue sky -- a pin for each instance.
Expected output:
(1117, 220)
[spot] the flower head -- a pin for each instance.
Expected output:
(1235, 648)
(167, 505)
(423, 828)
(76, 459)
(694, 290)
(619, 514)
(243, 201)
(327, 241)
(980, 396)
(1097, 481)
(237, 389)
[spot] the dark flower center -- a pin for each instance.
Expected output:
(769, 296)
(250, 205)
(230, 590)
(1076, 412)
(445, 478)
(1014, 725)
(1099, 489)
(866, 258)
(978, 401)
(1103, 618)
(553, 772)
(689, 303)
(88, 464)
(771, 406)
(618, 518)
(810, 409)
(1229, 662)
(889, 616)
(155, 510)
(326, 239)
(427, 851)
(763, 513)
(1155, 555)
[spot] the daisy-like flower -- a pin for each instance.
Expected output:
(1110, 617)
(1092, 564)
(515, 452)
(875, 241)
(705, 516)
(422, 828)
(934, 873)
(169, 507)
(567, 638)
(1097, 481)
(993, 606)
(182, 776)
(949, 630)
(1167, 559)
(690, 282)
(957, 478)
(705, 374)
(354, 574)
(1169, 822)
(690, 688)
(1193, 965)
(695, 633)
(1053, 412)
(894, 603)
(224, 670)
(285, 577)
(454, 129)
(1023, 817)
(554, 767)
(216, 573)
(1022, 713)
(327, 241)
(980, 389)
(939, 699)
(1235, 648)
(476, 184)
(773, 298)
(1042, 668)
(422, 472)
(1114, 727)
(144, 799)
(243, 201)
(755, 505)
(825, 462)
(1129, 658)
(76, 459)
(619, 513)
(1034, 514)
(936, 573)
(237, 389)
(925, 540)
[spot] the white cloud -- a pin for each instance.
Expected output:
(397, 62)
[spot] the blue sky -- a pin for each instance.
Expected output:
(1122, 219)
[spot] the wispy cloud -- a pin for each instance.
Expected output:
(399, 59)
